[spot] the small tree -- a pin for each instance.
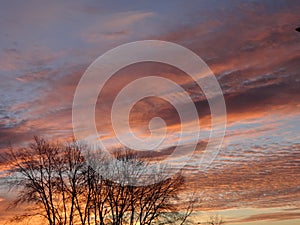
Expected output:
(214, 220)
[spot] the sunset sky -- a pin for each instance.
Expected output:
(251, 46)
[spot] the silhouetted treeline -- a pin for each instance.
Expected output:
(65, 188)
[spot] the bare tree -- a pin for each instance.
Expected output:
(69, 189)
(51, 177)
(215, 220)
(125, 202)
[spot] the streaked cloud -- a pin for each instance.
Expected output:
(251, 47)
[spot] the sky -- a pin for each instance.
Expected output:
(251, 47)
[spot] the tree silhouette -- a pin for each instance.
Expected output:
(63, 187)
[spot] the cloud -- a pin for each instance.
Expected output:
(277, 216)
(251, 47)
(126, 19)
(116, 26)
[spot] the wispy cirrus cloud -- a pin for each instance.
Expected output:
(118, 26)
